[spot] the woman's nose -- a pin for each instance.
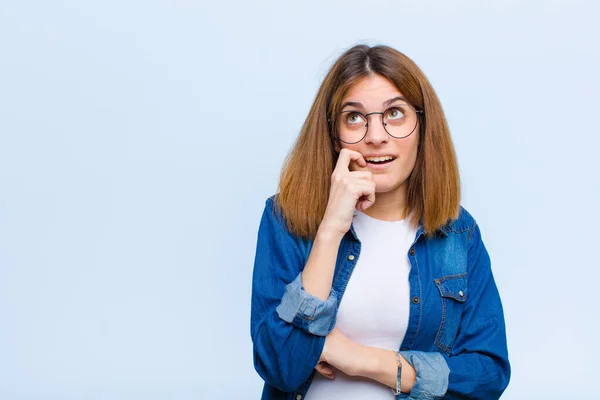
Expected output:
(376, 133)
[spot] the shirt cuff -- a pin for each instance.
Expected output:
(305, 311)
(432, 374)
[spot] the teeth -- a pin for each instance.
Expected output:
(379, 159)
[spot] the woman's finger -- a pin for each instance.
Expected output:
(325, 370)
(365, 190)
(367, 197)
(346, 156)
(366, 175)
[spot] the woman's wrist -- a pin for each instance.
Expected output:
(381, 365)
(328, 235)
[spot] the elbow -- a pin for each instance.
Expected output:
(285, 379)
(284, 357)
(498, 382)
(478, 376)
(503, 377)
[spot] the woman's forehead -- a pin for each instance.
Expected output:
(372, 91)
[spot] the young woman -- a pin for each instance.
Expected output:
(370, 280)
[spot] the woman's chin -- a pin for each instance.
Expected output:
(385, 186)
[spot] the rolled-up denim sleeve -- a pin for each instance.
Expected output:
(305, 311)
(432, 374)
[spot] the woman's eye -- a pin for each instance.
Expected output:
(395, 113)
(354, 118)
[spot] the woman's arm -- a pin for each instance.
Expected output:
(477, 368)
(383, 368)
(370, 362)
(285, 313)
(288, 324)
(317, 276)
(347, 188)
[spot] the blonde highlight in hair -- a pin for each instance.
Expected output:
(433, 195)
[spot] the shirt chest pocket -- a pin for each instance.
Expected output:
(453, 292)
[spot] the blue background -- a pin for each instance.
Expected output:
(139, 141)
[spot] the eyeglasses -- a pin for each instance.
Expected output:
(399, 121)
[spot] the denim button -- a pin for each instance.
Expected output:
(416, 300)
(299, 397)
(412, 252)
(460, 293)
(351, 257)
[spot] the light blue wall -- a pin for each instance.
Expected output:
(139, 141)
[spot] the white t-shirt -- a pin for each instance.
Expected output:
(375, 307)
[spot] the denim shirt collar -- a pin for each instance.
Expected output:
(420, 231)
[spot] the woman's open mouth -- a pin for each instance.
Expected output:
(379, 161)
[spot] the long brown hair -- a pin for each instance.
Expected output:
(433, 195)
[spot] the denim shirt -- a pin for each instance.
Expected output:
(456, 337)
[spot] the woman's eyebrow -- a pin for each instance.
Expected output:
(352, 104)
(359, 105)
(390, 101)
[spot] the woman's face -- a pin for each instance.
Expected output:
(372, 94)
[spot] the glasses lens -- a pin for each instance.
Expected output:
(351, 127)
(400, 120)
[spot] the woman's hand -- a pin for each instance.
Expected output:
(325, 369)
(340, 353)
(349, 190)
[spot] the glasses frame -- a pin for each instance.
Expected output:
(419, 113)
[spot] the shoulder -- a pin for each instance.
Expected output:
(465, 223)
(272, 207)
(275, 215)
(274, 225)
(271, 200)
